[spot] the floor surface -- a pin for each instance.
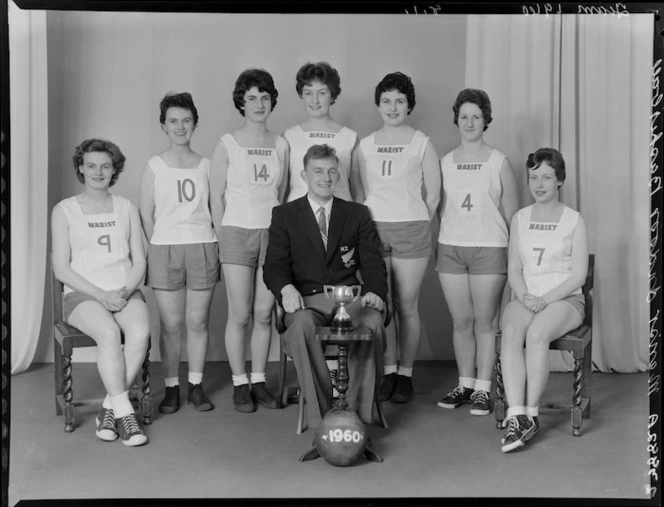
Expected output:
(428, 452)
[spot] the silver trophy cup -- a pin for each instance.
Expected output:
(341, 295)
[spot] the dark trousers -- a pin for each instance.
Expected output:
(308, 357)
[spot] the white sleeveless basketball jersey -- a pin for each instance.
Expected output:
(99, 243)
(300, 141)
(181, 204)
(471, 216)
(546, 250)
(394, 179)
(252, 183)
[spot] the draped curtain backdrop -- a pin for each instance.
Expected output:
(29, 179)
(581, 84)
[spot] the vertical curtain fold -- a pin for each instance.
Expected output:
(581, 84)
(29, 177)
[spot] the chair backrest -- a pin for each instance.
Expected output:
(56, 295)
(587, 290)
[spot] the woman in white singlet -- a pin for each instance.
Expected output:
(548, 262)
(318, 85)
(98, 255)
(248, 178)
(479, 199)
(401, 179)
(183, 263)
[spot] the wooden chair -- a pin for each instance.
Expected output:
(330, 353)
(579, 343)
(65, 339)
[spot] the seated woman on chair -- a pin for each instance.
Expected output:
(98, 255)
(547, 265)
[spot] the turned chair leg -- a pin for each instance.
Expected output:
(57, 366)
(586, 378)
(68, 394)
(146, 399)
(576, 399)
(499, 406)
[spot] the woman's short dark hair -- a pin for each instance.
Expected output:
(322, 72)
(320, 151)
(249, 78)
(183, 100)
(399, 82)
(552, 157)
(103, 146)
(477, 97)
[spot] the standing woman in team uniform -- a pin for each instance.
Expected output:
(98, 255)
(318, 85)
(401, 180)
(548, 263)
(248, 178)
(479, 199)
(183, 254)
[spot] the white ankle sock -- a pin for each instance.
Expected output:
(392, 368)
(121, 405)
(519, 410)
(406, 372)
(483, 385)
(195, 377)
(532, 411)
(171, 381)
(107, 402)
(257, 377)
(467, 382)
(240, 380)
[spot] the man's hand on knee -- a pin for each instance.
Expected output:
(291, 299)
(371, 300)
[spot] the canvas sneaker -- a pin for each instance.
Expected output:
(106, 428)
(457, 397)
(130, 430)
(481, 403)
(520, 429)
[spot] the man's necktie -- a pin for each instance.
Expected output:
(322, 225)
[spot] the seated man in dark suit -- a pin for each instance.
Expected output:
(303, 254)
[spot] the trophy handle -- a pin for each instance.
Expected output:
(328, 290)
(356, 291)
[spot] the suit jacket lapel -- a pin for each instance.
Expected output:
(337, 222)
(309, 225)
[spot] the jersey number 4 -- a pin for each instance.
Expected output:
(186, 189)
(467, 204)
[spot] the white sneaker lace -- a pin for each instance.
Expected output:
(131, 424)
(458, 390)
(481, 396)
(108, 423)
(512, 428)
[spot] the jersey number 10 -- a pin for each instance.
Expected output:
(186, 189)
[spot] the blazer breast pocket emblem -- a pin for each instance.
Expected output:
(348, 257)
